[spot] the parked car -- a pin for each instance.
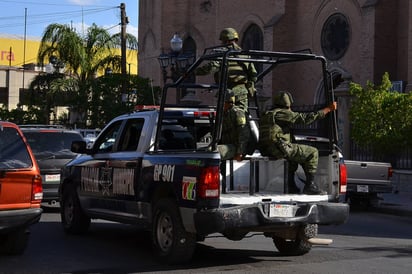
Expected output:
(51, 148)
(366, 180)
(21, 190)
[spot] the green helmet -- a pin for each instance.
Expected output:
(228, 34)
(283, 99)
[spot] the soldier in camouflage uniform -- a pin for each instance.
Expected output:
(276, 140)
(235, 131)
(241, 75)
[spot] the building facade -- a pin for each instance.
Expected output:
(361, 39)
(18, 68)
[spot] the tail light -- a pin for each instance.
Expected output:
(209, 183)
(390, 172)
(37, 189)
(343, 176)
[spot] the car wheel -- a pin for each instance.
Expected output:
(15, 242)
(171, 242)
(74, 220)
(299, 245)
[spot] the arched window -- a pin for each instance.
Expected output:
(252, 38)
(335, 36)
(189, 46)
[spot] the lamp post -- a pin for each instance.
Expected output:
(175, 61)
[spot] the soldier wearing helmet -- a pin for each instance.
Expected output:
(276, 140)
(235, 131)
(241, 75)
(228, 35)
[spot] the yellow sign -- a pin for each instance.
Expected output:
(12, 52)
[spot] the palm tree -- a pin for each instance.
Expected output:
(83, 58)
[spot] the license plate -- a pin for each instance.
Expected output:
(362, 188)
(280, 210)
(52, 177)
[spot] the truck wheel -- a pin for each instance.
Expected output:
(15, 242)
(171, 242)
(74, 220)
(298, 246)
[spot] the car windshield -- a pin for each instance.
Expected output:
(13, 152)
(48, 143)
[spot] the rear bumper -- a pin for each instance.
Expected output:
(50, 193)
(253, 218)
(353, 188)
(11, 219)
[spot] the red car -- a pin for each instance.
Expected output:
(21, 190)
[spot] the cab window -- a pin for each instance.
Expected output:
(13, 151)
(107, 140)
(131, 135)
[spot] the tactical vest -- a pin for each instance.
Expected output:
(272, 140)
(269, 131)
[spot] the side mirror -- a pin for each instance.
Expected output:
(78, 147)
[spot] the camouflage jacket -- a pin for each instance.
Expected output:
(276, 124)
(238, 72)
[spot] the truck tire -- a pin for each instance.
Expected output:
(171, 242)
(74, 220)
(15, 242)
(298, 246)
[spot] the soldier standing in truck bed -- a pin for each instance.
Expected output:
(241, 75)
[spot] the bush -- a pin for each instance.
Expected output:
(381, 119)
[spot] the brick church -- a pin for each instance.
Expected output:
(361, 39)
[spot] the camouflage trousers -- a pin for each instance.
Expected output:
(296, 154)
(241, 96)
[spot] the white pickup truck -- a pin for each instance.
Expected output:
(365, 180)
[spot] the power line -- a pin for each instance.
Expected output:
(50, 17)
(45, 4)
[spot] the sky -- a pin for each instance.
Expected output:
(31, 17)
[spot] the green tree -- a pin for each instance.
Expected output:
(107, 101)
(32, 115)
(41, 94)
(381, 119)
(82, 57)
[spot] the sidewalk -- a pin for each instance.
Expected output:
(396, 203)
(400, 201)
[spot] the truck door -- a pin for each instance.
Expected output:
(116, 164)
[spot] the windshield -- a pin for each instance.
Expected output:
(44, 143)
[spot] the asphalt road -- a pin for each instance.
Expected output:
(369, 242)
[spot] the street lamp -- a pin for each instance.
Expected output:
(176, 61)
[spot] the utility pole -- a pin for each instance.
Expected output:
(124, 21)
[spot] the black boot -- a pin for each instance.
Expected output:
(310, 187)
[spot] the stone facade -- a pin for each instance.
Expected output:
(377, 38)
